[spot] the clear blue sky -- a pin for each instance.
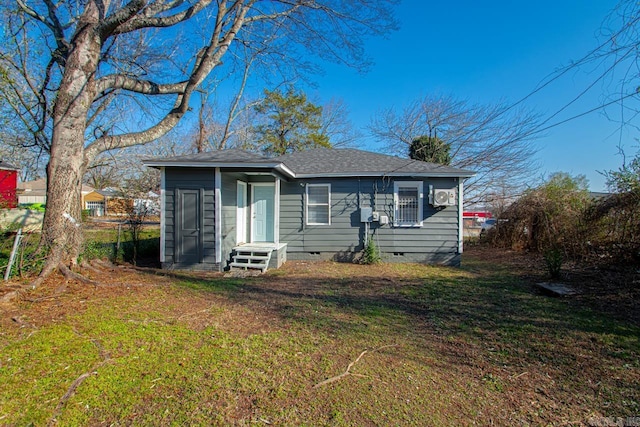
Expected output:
(487, 52)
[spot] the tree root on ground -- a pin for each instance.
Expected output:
(72, 275)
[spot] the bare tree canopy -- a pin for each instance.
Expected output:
(96, 75)
(494, 141)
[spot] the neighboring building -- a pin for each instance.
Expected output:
(236, 208)
(36, 192)
(474, 219)
(94, 202)
(111, 201)
(8, 185)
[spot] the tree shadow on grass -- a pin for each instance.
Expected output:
(492, 309)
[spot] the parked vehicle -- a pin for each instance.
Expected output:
(488, 225)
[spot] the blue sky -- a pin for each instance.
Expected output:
(487, 52)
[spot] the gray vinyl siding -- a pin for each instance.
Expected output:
(203, 180)
(435, 241)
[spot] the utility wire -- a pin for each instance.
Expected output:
(599, 107)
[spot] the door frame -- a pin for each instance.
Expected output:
(276, 208)
(242, 213)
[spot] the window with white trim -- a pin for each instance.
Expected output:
(96, 208)
(408, 201)
(318, 204)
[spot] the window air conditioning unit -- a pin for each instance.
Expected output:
(443, 197)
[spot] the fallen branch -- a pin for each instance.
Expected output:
(348, 370)
(106, 357)
(71, 390)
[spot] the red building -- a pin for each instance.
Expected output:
(475, 219)
(8, 184)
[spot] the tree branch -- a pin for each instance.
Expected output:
(145, 87)
(121, 16)
(143, 21)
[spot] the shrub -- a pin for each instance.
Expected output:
(34, 207)
(371, 253)
(553, 259)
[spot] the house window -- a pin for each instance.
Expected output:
(407, 196)
(318, 204)
(96, 208)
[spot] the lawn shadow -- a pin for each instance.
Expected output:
(495, 309)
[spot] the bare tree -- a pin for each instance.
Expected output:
(495, 141)
(17, 151)
(336, 124)
(77, 67)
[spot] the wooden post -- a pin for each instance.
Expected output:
(118, 243)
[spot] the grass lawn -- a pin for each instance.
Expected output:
(316, 344)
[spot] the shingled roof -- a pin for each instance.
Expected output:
(319, 162)
(352, 162)
(6, 166)
(232, 155)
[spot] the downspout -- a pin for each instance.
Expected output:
(218, 215)
(163, 213)
(276, 212)
(460, 211)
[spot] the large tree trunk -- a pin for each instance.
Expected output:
(61, 232)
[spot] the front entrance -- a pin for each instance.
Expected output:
(262, 212)
(189, 226)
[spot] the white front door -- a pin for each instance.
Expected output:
(241, 213)
(262, 212)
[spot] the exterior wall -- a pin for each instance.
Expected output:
(435, 242)
(186, 178)
(8, 184)
(27, 199)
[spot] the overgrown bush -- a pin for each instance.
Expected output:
(617, 217)
(547, 217)
(561, 220)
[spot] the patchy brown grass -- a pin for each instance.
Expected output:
(406, 345)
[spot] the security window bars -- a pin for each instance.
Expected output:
(318, 204)
(408, 203)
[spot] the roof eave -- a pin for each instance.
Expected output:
(261, 165)
(382, 174)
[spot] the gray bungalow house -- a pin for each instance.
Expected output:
(233, 208)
